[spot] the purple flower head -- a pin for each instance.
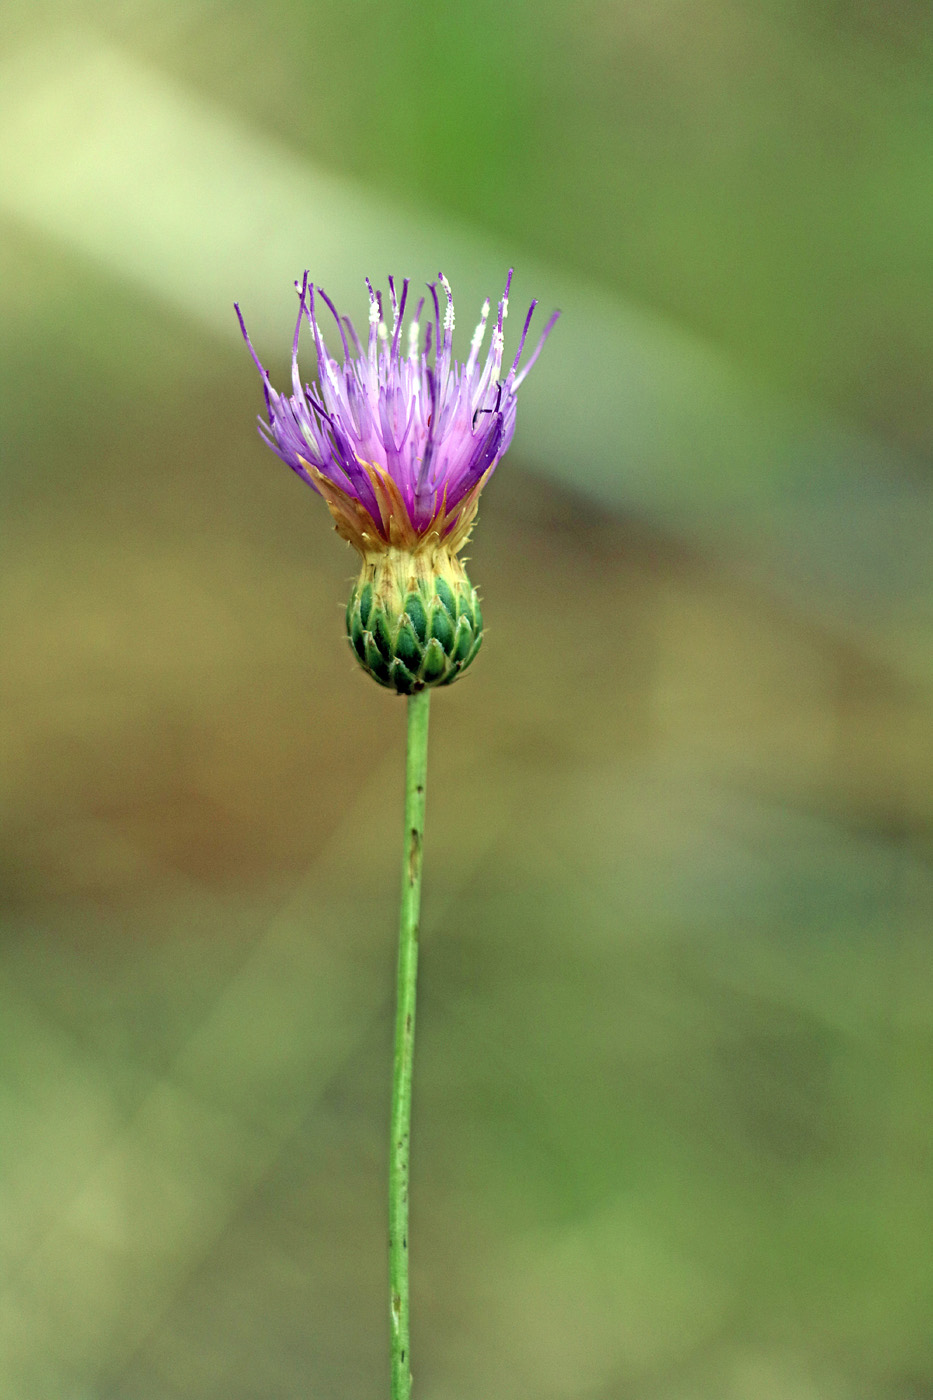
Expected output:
(399, 438)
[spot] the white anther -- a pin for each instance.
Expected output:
(373, 312)
(449, 313)
(383, 331)
(498, 341)
(413, 333)
(480, 329)
(505, 307)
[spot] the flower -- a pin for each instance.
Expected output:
(398, 441)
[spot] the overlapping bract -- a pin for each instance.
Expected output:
(399, 439)
(412, 626)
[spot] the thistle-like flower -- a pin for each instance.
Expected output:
(400, 440)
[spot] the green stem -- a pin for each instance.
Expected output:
(415, 779)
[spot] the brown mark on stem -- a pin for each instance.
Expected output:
(414, 854)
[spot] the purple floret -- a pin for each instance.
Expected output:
(435, 426)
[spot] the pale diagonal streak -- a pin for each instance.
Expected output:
(112, 159)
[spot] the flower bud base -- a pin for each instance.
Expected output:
(413, 619)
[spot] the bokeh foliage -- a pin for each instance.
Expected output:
(673, 1115)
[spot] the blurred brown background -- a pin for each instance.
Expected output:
(673, 1116)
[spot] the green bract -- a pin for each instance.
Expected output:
(414, 623)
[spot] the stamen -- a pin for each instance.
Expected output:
(301, 310)
(480, 331)
(323, 358)
(432, 288)
(353, 335)
(503, 304)
(266, 385)
(524, 337)
(538, 348)
(333, 310)
(449, 313)
(317, 406)
(399, 313)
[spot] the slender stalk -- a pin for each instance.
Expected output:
(415, 779)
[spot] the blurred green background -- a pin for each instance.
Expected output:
(673, 1091)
